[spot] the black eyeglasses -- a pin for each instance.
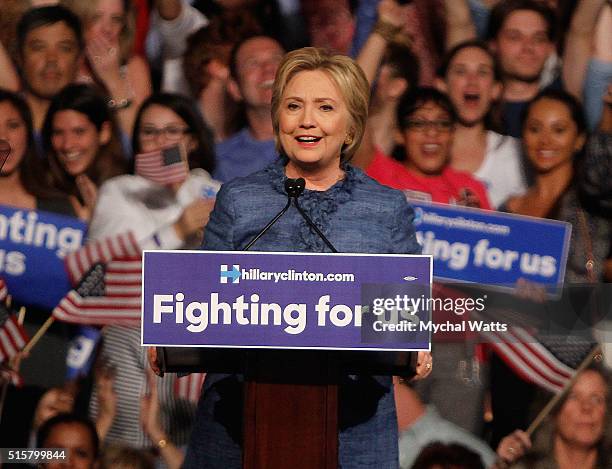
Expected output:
(172, 132)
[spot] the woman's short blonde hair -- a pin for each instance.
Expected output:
(346, 75)
(86, 9)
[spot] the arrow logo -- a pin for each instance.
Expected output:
(227, 273)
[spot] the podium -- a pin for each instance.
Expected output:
(291, 397)
(293, 326)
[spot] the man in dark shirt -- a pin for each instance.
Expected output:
(521, 33)
(253, 65)
(50, 44)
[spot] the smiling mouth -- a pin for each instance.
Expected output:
(430, 148)
(266, 85)
(70, 157)
(471, 98)
(547, 153)
(309, 139)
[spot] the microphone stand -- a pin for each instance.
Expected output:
(269, 225)
(294, 188)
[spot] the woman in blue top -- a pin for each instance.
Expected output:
(319, 110)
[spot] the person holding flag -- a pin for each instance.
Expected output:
(164, 204)
(24, 185)
(554, 134)
(577, 432)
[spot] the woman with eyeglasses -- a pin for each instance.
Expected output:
(163, 212)
(426, 121)
(81, 140)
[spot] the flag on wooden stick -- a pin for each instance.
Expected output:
(13, 336)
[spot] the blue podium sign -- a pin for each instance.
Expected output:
(493, 248)
(286, 300)
(33, 245)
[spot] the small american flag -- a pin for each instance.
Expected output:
(12, 335)
(122, 246)
(166, 166)
(530, 359)
(107, 277)
(3, 290)
(535, 357)
(189, 387)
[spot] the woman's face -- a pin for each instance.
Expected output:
(581, 420)
(471, 85)
(76, 140)
(550, 135)
(427, 135)
(313, 121)
(13, 130)
(161, 127)
(107, 21)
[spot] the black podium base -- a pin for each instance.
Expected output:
(228, 360)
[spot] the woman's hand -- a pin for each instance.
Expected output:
(107, 399)
(512, 447)
(149, 419)
(152, 357)
(528, 290)
(194, 218)
(149, 410)
(391, 12)
(103, 57)
(468, 198)
(424, 365)
(89, 194)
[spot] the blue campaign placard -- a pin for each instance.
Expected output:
(493, 248)
(33, 245)
(285, 300)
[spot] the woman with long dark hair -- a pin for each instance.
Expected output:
(24, 184)
(81, 140)
(554, 134)
(165, 208)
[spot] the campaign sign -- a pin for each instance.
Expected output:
(494, 248)
(33, 245)
(286, 300)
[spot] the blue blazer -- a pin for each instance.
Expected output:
(357, 215)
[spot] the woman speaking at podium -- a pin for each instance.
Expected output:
(319, 112)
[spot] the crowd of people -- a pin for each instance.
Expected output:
(494, 104)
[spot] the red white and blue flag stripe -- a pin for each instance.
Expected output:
(107, 275)
(165, 166)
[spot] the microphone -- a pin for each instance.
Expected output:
(294, 189)
(307, 218)
(5, 151)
